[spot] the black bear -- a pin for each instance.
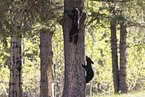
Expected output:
(88, 68)
(75, 17)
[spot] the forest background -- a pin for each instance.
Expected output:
(97, 45)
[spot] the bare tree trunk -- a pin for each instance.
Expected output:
(74, 82)
(91, 87)
(93, 41)
(122, 73)
(46, 56)
(15, 87)
(114, 49)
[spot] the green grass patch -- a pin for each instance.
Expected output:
(131, 94)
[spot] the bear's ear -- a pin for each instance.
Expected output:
(92, 62)
(88, 58)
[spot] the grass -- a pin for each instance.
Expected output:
(131, 94)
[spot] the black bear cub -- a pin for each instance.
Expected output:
(88, 68)
(75, 17)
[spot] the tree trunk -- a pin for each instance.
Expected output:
(122, 74)
(15, 87)
(46, 56)
(74, 82)
(114, 50)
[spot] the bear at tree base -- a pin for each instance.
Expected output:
(89, 70)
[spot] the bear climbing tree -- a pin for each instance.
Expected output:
(75, 17)
(88, 68)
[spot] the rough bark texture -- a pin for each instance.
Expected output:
(114, 50)
(15, 86)
(46, 56)
(122, 73)
(74, 82)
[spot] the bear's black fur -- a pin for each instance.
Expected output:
(88, 68)
(75, 17)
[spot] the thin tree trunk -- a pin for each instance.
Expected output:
(15, 86)
(93, 41)
(74, 82)
(122, 73)
(91, 87)
(114, 50)
(46, 56)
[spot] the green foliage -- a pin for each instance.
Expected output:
(19, 16)
(136, 59)
(4, 69)
(134, 11)
(58, 59)
(97, 44)
(98, 14)
(4, 5)
(98, 47)
(31, 66)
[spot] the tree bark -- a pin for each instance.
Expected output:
(114, 50)
(122, 73)
(74, 82)
(15, 86)
(46, 56)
